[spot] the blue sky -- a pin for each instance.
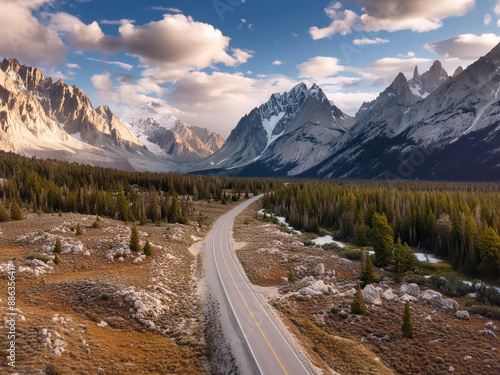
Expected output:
(210, 62)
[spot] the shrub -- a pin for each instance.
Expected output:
(79, 229)
(246, 222)
(334, 310)
(44, 258)
(58, 246)
(15, 212)
(134, 239)
(291, 276)
(52, 369)
(120, 255)
(492, 312)
(358, 304)
(97, 223)
(105, 296)
(57, 260)
(148, 250)
(4, 215)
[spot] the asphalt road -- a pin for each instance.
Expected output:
(248, 326)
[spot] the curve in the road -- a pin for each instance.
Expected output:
(270, 350)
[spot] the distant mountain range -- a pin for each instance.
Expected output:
(168, 137)
(433, 126)
(40, 117)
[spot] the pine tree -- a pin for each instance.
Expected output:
(401, 261)
(134, 239)
(4, 215)
(383, 240)
(360, 235)
(148, 250)
(57, 259)
(79, 230)
(407, 326)
(367, 275)
(291, 276)
(489, 250)
(358, 304)
(58, 246)
(15, 212)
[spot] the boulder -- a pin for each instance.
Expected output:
(462, 314)
(388, 294)
(317, 288)
(488, 332)
(449, 304)
(320, 269)
(431, 295)
(371, 295)
(411, 289)
(406, 297)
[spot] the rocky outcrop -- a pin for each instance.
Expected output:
(371, 295)
(411, 289)
(462, 314)
(317, 288)
(320, 269)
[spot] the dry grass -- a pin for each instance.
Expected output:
(83, 289)
(349, 343)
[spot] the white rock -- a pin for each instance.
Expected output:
(462, 314)
(467, 357)
(102, 324)
(315, 289)
(308, 279)
(450, 304)
(430, 295)
(388, 294)
(488, 332)
(407, 297)
(371, 295)
(86, 254)
(428, 318)
(58, 351)
(320, 269)
(411, 289)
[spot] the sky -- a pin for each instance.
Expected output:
(210, 62)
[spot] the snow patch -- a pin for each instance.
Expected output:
(326, 240)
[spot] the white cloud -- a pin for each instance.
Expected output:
(102, 83)
(351, 101)
(487, 19)
(25, 38)
(497, 7)
(343, 22)
(364, 40)
(465, 46)
(164, 9)
(117, 63)
(420, 16)
(174, 43)
(117, 22)
(320, 67)
(277, 62)
(384, 70)
(73, 66)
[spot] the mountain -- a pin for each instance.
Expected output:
(289, 133)
(453, 133)
(170, 138)
(212, 140)
(40, 117)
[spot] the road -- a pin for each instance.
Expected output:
(248, 326)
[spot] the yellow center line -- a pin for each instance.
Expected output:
(248, 308)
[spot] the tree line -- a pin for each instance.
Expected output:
(44, 185)
(456, 221)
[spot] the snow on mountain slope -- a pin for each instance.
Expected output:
(45, 119)
(263, 127)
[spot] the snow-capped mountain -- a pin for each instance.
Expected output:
(453, 133)
(291, 131)
(169, 138)
(51, 119)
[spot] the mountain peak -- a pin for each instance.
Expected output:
(458, 71)
(415, 73)
(399, 82)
